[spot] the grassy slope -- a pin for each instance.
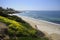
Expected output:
(19, 29)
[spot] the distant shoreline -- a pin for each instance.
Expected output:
(40, 20)
(50, 16)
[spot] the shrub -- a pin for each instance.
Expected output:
(17, 28)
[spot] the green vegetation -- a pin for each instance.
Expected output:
(8, 11)
(18, 29)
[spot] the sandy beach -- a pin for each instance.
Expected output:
(46, 27)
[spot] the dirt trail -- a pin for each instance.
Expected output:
(2, 25)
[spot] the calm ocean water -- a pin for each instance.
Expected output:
(51, 16)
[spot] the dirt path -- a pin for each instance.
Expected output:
(2, 25)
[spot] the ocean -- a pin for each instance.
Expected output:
(51, 16)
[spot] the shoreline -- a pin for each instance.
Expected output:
(40, 20)
(51, 30)
(43, 25)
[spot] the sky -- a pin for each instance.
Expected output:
(31, 4)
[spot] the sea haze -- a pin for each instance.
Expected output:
(51, 16)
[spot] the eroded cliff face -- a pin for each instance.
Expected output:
(3, 31)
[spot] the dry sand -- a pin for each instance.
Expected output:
(49, 28)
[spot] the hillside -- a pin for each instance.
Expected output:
(14, 28)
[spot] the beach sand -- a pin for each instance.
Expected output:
(50, 29)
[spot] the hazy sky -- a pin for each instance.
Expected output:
(31, 4)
